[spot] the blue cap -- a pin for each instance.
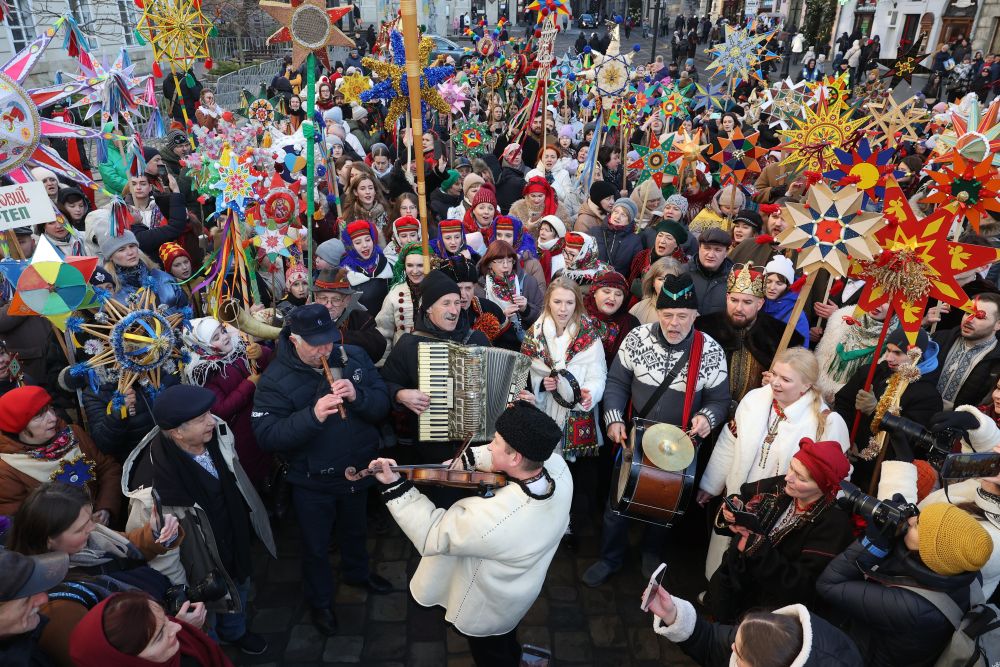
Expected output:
(312, 322)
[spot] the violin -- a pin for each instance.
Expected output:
(486, 483)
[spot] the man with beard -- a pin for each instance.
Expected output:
(749, 337)
(332, 290)
(484, 315)
(439, 317)
(671, 373)
(970, 355)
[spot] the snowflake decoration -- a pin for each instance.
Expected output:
(235, 183)
(114, 91)
(272, 241)
(831, 229)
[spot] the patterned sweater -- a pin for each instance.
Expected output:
(644, 359)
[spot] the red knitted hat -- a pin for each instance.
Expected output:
(451, 225)
(536, 184)
(170, 251)
(407, 223)
(504, 222)
(825, 461)
(359, 228)
(768, 209)
(574, 240)
(927, 478)
(19, 406)
(486, 194)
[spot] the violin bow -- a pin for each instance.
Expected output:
(458, 455)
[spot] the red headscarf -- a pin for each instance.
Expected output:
(89, 647)
(539, 184)
(826, 462)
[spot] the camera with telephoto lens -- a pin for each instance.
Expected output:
(889, 516)
(937, 443)
(209, 589)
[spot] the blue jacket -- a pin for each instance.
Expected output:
(168, 292)
(781, 309)
(318, 452)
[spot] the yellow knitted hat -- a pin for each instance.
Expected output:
(951, 541)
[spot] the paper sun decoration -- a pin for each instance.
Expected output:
(738, 155)
(810, 142)
(917, 263)
(653, 160)
(352, 85)
(50, 285)
(309, 26)
(393, 87)
(831, 230)
(22, 127)
(973, 187)
(869, 169)
(177, 32)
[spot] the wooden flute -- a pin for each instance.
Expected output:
(329, 378)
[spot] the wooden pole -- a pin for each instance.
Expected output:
(310, 133)
(800, 303)
(411, 42)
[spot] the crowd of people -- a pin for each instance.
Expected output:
(129, 518)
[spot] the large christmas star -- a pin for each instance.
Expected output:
(738, 155)
(831, 230)
(653, 160)
(918, 262)
(867, 167)
(742, 54)
(811, 141)
(893, 118)
(309, 26)
(972, 186)
(906, 65)
(976, 137)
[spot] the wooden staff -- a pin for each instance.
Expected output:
(329, 378)
(411, 43)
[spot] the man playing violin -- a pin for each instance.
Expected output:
(297, 414)
(670, 373)
(484, 559)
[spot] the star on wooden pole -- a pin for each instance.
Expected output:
(309, 26)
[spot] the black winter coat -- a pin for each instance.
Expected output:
(150, 239)
(892, 626)
(112, 434)
(981, 380)
(711, 644)
(617, 247)
(440, 202)
(359, 329)
(318, 452)
(781, 574)
(510, 185)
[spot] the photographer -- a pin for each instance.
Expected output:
(788, 637)
(800, 530)
(940, 549)
(978, 496)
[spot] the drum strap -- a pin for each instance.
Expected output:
(669, 377)
(692, 377)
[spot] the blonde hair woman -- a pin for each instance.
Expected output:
(568, 372)
(652, 281)
(131, 269)
(765, 433)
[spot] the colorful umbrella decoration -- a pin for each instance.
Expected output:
(973, 187)
(867, 169)
(471, 137)
(653, 160)
(742, 54)
(811, 141)
(393, 88)
(831, 229)
(918, 263)
(49, 285)
(309, 26)
(738, 155)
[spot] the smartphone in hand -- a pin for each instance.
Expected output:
(654, 584)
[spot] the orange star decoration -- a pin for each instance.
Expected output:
(973, 187)
(309, 26)
(688, 150)
(831, 229)
(738, 155)
(811, 140)
(918, 262)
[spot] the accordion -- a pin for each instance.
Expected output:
(469, 386)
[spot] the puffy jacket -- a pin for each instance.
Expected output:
(711, 644)
(710, 288)
(891, 625)
(168, 292)
(111, 433)
(318, 452)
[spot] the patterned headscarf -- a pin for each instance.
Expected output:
(352, 260)
(523, 241)
(399, 268)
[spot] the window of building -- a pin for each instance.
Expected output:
(83, 12)
(20, 24)
(129, 17)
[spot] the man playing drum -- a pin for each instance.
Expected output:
(652, 370)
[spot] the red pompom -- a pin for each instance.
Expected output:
(538, 34)
(139, 4)
(157, 72)
(227, 116)
(208, 63)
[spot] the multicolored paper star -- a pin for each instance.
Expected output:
(975, 137)
(811, 141)
(738, 155)
(742, 54)
(869, 169)
(973, 187)
(653, 160)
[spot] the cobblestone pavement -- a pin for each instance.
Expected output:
(580, 625)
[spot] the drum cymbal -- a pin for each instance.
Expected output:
(668, 447)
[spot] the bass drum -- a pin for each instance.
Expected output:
(644, 491)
